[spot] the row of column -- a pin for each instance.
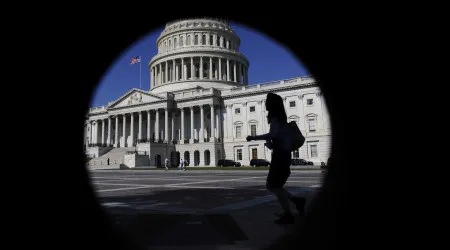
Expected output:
(184, 40)
(101, 123)
(182, 69)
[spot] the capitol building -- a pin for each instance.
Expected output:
(200, 107)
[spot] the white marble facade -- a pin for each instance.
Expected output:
(173, 119)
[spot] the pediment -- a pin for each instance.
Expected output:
(133, 97)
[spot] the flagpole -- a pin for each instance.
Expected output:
(140, 73)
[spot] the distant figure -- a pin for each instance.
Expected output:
(181, 164)
(166, 164)
(107, 161)
(279, 171)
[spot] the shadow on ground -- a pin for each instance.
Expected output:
(149, 220)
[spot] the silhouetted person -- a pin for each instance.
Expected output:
(107, 161)
(281, 158)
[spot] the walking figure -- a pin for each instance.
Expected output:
(166, 164)
(182, 165)
(278, 140)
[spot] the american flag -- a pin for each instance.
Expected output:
(135, 60)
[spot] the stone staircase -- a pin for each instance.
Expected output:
(115, 156)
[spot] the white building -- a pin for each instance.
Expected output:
(200, 106)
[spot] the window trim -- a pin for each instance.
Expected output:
(237, 154)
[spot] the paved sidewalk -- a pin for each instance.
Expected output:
(248, 228)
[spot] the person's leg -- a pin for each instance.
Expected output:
(283, 199)
(275, 185)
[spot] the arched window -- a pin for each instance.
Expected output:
(204, 40)
(211, 38)
(293, 118)
(181, 41)
(175, 43)
(170, 44)
(188, 41)
(196, 40)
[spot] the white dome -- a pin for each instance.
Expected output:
(191, 47)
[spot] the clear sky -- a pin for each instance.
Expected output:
(269, 61)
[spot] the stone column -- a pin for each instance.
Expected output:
(202, 125)
(124, 120)
(191, 140)
(103, 130)
(166, 72)
(177, 73)
(210, 68)
(166, 125)
(148, 125)
(93, 126)
(245, 128)
(230, 121)
(262, 110)
(157, 126)
(90, 131)
(228, 69)
(225, 128)
(108, 140)
(132, 130)
(216, 71)
(219, 121)
(182, 126)
(212, 123)
(173, 71)
(173, 126)
(201, 67)
(234, 71)
(158, 74)
(192, 68)
(184, 69)
(140, 126)
(116, 139)
(220, 68)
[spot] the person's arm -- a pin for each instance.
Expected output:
(274, 127)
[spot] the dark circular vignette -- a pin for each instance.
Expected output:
(264, 26)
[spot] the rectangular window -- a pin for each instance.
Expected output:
(238, 131)
(312, 125)
(237, 111)
(313, 151)
(239, 154)
(254, 153)
(309, 102)
(253, 129)
(292, 104)
(252, 109)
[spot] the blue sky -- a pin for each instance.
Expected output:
(269, 61)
